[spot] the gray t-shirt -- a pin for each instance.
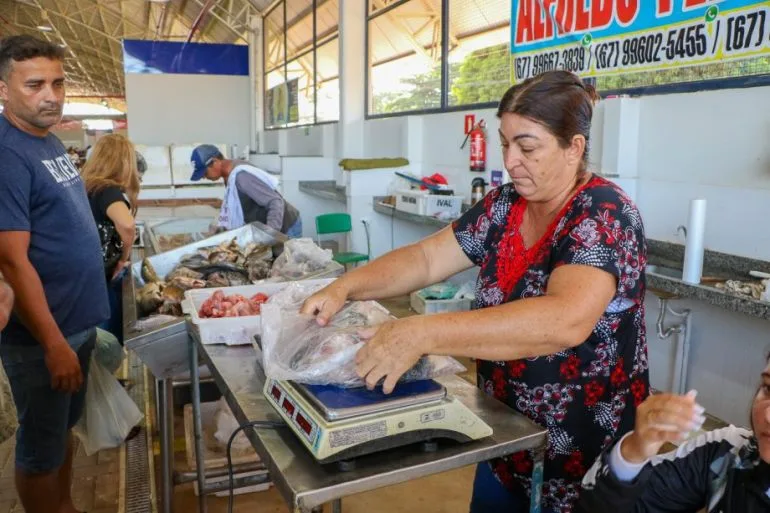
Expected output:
(41, 193)
(262, 203)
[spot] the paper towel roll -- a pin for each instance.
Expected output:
(693, 250)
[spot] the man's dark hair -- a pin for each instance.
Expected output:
(23, 48)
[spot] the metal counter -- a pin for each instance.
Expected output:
(307, 485)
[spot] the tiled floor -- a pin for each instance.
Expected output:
(443, 493)
(96, 481)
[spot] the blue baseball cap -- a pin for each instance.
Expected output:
(201, 158)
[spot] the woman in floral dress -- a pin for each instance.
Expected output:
(557, 326)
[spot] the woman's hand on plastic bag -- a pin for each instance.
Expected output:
(391, 349)
(325, 303)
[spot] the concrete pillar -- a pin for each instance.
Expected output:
(352, 70)
(413, 143)
(620, 143)
(257, 81)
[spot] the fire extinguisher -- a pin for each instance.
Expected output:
(478, 156)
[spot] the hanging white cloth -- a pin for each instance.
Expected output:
(231, 213)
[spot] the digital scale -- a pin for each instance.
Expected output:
(339, 424)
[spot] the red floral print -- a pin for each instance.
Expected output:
(594, 390)
(516, 368)
(570, 369)
(639, 391)
(618, 376)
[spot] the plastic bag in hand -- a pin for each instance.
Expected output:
(294, 294)
(108, 351)
(295, 347)
(300, 257)
(108, 414)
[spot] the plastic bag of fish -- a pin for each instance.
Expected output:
(300, 258)
(295, 347)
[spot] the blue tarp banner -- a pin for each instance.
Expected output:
(140, 56)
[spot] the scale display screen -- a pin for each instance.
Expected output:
(288, 407)
(303, 423)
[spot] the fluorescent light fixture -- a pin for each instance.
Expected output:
(44, 28)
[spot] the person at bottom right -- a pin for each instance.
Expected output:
(721, 471)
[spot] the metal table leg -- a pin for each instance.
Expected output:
(166, 426)
(537, 480)
(197, 427)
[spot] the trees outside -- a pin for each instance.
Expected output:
(484, 76)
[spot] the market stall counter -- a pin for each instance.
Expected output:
(306, 485)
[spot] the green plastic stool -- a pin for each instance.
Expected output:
(340, 223)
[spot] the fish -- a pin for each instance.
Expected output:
(236, 278)
(258, 270)
(223, 256)
(148, 272)
(171, 308)
(217, 280)
(172, 292)
(150, 297)
(194, 261)
(184, 283)
(185, 272)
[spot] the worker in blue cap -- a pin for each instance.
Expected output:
(251, 195)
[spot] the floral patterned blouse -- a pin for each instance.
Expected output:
(585, 396)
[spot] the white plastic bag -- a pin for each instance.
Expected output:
(108, 351)
(226, 426)
(300, 257)
(294, 294)
(295, 347)
(109, 413)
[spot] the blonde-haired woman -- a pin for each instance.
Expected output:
(112, 179)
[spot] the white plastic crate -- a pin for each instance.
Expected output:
(425, 204)
(232, 331)
(431, 306)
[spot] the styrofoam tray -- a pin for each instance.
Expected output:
(431, 306)
(232, 331)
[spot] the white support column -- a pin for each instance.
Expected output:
(620, 143)
(329, 140)
(284, 143)
(352, 72)
(256, 80)
(413, 143)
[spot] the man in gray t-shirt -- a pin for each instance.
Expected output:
(259, 199)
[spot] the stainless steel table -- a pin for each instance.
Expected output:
(165, 349)
(307, 486)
